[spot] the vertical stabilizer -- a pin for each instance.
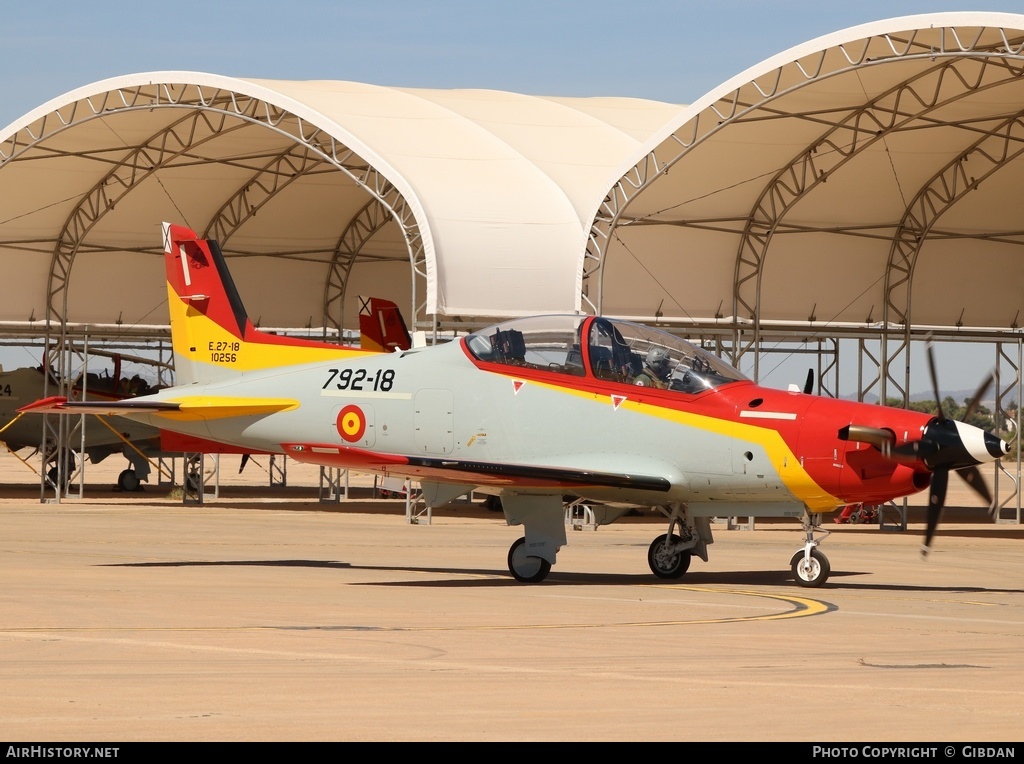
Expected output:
(381, 326)
(211, 333)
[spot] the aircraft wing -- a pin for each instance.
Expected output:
(468, 471)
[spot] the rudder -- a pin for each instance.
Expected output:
(381, 326)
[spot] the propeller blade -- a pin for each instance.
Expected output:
(972, 476)
(936, 502)
(935, 380)
(809, 384)
(245, 460)
(973, 405)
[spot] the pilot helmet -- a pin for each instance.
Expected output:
(657, 360)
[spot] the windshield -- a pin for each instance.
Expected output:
(619, 351)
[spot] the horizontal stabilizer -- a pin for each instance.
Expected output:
(192, 408)
(59, 405)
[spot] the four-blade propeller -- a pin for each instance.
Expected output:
(941, 467)
(945, 445)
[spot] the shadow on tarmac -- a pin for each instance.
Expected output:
(501, 578)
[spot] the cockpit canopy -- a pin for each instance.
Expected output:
(616, 351)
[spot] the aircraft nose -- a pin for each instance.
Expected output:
(981, 444)
(996, 446)
(962, 445)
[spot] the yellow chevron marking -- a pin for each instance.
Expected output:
(786, 463)
(203, 407)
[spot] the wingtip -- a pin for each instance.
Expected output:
(52, 403)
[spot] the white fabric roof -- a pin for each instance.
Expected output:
(913, 127)
(497, 184)
(517, 204)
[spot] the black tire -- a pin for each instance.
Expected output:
(528, 570)
(193, 482)
(128, 481)
(810, 573)
(668, 565)
(51, 475)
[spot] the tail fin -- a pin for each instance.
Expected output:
(381, 326)
(212, 336)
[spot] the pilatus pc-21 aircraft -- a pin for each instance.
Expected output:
(545, 410)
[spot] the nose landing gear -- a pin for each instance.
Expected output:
(810, 566)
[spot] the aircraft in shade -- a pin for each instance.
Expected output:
(98, 438)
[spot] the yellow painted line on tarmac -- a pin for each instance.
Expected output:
(800, 607)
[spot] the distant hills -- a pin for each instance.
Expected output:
(957, 395)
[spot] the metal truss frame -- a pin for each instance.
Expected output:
(210, 112)
(962, 67)
(840, 142)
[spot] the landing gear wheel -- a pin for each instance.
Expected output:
(193, 482)
(665, 563)
(128, 481)
(529, 570)
(812, 572)
(69, 468)
(52, 476)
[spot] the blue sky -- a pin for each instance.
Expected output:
(668, 50)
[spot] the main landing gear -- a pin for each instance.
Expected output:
(131, 479)
(528, 570)
(128, 481)
(669, 555)
(543, 518)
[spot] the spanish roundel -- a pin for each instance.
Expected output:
(351, 424)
